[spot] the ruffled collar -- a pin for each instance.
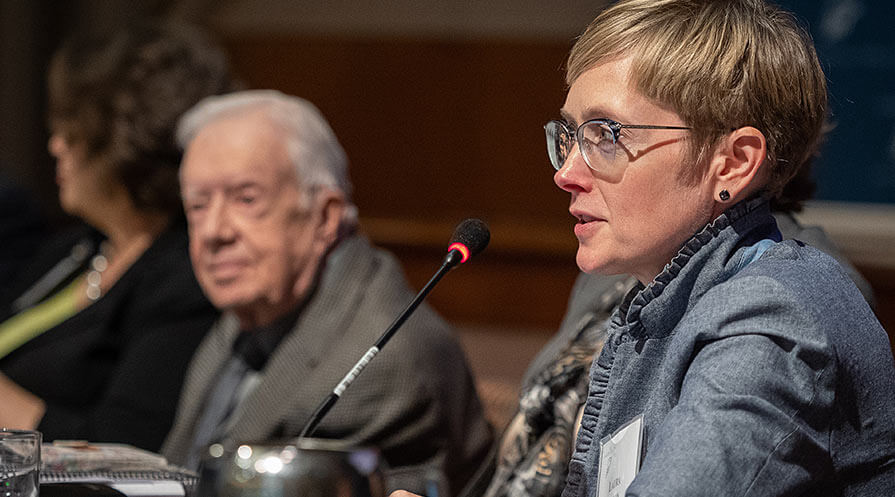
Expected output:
(711, 256)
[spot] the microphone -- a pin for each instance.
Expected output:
(470, 237)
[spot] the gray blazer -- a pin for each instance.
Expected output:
(416, 400)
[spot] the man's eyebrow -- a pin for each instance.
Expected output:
(242, 185)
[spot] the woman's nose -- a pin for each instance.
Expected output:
(56, 145)
(574, 175)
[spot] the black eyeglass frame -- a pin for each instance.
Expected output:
(575, 134)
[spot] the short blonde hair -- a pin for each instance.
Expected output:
(720, 65)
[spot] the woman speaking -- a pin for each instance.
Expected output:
(740, 364)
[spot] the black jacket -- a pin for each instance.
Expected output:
(113, 371)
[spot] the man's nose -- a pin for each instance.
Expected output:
(217, 227)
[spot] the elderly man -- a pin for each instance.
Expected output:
(273, 243)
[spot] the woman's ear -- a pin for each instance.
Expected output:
(737, 169)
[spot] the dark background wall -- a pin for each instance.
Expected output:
(856, 45)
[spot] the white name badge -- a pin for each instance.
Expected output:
(620, 458)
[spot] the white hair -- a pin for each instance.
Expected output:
(316, 154)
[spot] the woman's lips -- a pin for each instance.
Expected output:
(586, 229)
(586, 223)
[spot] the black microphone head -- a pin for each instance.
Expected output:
(473, 235)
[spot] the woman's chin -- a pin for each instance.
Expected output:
(66, 204)
(69, 205)
(588, 263)
(592, 263)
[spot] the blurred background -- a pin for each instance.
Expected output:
(440, 105)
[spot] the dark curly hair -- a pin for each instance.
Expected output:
(121, 94)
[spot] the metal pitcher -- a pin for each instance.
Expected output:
(302, 468)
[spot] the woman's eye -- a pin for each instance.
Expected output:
(600, 143)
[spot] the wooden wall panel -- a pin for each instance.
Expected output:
(434, 130)
(437, 131)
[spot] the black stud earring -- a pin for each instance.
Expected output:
(724, 195)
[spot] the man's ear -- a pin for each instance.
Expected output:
(330, 206)
(737, 169)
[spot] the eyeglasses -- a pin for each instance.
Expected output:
(597, 141)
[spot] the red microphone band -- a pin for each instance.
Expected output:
(463, 249)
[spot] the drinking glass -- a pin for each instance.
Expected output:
(19, 462)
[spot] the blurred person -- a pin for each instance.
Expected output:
(274, 243)
(96, 344)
